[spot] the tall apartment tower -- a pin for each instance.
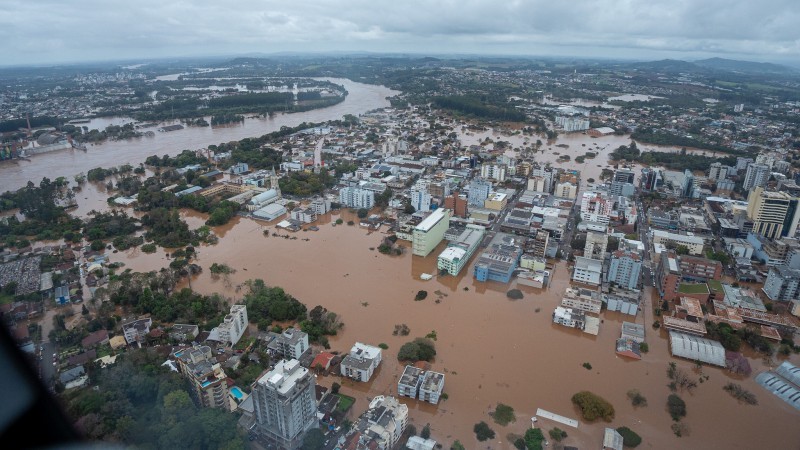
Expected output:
(774, 214)
(756, 175)
(478, 192)
(285, 404)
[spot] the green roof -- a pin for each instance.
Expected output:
(693, 288)
(715, 285)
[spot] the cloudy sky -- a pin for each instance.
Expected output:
(49, 31)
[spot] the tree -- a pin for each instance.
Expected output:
(313, 440)
(420, 349)
(457, 445)
(362, 213)
(676, 407)
(629, 437)
(557, 434)
(482, 431)
(503, 414)
(335, 387)
(426, 432)
(534, 438)
(593, 406)
(637, 399)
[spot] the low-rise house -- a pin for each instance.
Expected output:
(583, 299)
(629, 348)
(380, 427)
(184, 332)
(362, 361)
(74, 377)
(633, 331)
(95, 339)
(569, 318)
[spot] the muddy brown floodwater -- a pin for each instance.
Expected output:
(491, 349)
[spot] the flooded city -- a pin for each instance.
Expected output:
(492, 349)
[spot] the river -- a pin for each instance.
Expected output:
(15, 174)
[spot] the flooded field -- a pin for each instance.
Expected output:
(491, 349)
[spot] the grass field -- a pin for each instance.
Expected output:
(345, 402)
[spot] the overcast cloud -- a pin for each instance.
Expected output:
(49, 31)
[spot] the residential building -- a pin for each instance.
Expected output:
(420, 200)
(431, 387)
(496, 201)
(232, 328)
(629, 348)
(566, 189)
(361, 362)
(460, 250)
(756, 176)
(478, 192)
(380, 427)
(291, 343)
(633, 331)
(499, 260)
(693, 243)
(596, 207)
(239, 168)
(588, 271)
(94, 339)
(540, 243)
(353, 197)
(284, 404)
(539, 184)
(496, 172)
(626, 304)
(409, 382)
(184, 332)
(303, 215)
(206, 377)
(625, 269)
(782, 284)
(774, 214)
(320, 206)
(429, 233)
(718, 172)
(622, 183)
(569, 318)
(583, 299)
(456, 203)
(596, 244)
(137, 330)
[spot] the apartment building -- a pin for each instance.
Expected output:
(429, 233)
(285, 404)
(361, 362)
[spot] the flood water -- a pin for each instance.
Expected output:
(491, 349)
(15, 174)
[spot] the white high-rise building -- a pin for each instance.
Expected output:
(353, 197)
(232, 328)
(495, 172)
(718, 172)
(285, 404)
(756, 175)
(420, 199)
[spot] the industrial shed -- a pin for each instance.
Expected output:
(697, 348)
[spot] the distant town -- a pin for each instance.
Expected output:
(628, 228)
